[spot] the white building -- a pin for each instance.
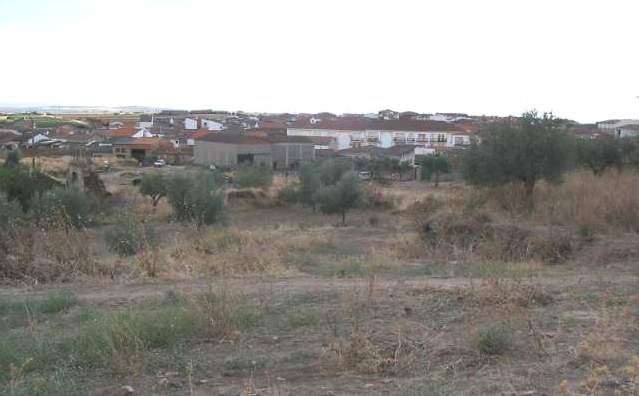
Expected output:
(630, 130)
(427, 136)
(190, 123)
(212, 125)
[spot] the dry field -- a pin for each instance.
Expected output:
(446, 291)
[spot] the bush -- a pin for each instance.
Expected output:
(130, 236)
(494, 339)
(10, 212)
(290, 194)
(13, 158)
(69, 205)
(253, 176)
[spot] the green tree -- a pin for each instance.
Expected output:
(341, 197)
(599, 154)
(524, 151)
(331, 170)
(198, 199)
(434, 165)
(70, 205)
(178, 188)
(206, 200)
(21, 184)
(154, 185)
(309, 184)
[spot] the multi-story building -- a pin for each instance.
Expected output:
(427, 136)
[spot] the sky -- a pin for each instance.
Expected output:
(578, 59)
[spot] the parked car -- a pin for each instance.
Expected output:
(159, 163)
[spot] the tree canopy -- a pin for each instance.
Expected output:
(525, 151)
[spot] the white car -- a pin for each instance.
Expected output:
(159, 163)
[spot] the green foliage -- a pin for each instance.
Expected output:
(599, 154)
(341, 197)
(206, 201)
(303, 318)
(178, 188)
(198, 199)
(71, 205)
(525, 151)
(154, 185)
(253, 176)
(290, 193)
(309, 184)
(331, 170)
(629, 147)
(434, 165)
(13, 158)
(58, 302)
(129, 236)
(494, 339)
(21, 184)
(10, 212)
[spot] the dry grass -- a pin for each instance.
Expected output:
(606, 341)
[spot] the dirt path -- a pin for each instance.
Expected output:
(119, 293)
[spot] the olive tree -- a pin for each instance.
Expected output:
(434, 165)
(341, 197)
(527, 150)
(154, 185)
(599, 154)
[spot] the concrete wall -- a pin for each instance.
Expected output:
(225, 154)
(287, 154)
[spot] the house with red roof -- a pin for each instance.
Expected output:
(142, 149)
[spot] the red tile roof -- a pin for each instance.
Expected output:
(199, 133)
(361, 124)
(124, 132)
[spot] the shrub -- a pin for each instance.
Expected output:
(13, 158)
(70, 205)
(494, 339)
(10, 212)
(129, 236)
(290, 194)
(253, 176)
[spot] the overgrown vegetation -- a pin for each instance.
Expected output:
(253, 176)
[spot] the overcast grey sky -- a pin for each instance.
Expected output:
(579, 59)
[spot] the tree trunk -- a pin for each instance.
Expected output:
(436, 178)
(344, 218)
